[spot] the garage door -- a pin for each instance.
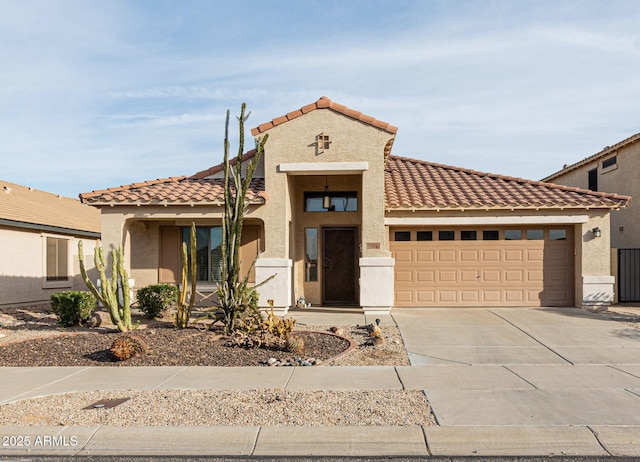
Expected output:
(483, 267)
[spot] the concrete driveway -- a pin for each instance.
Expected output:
(524, 367)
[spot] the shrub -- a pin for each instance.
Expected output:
(155, 298)
(72, 307)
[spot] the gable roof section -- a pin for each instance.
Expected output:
(420, 185)
(25, 207)
(324, 103)
(609, 150)
(182, 190)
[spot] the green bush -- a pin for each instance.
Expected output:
(155, 298)
(72, 307)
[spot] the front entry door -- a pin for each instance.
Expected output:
(340, 266)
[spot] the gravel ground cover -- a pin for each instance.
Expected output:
(30, 336)
(269, 407)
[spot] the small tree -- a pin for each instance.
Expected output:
(235, 296)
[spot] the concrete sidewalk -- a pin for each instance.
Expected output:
(512, 382)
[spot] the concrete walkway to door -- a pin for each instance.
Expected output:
(513, 371)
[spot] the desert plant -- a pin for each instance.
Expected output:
(294, 344)
(127, 346)
(188, 280)
(120, 313)
(72, 307)
(235, 296)
(153, 299)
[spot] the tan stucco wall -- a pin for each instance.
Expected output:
(622, 179)
(23, 271)
(138, 229)
(351, 141)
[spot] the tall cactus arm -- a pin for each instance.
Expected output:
(194, 269)
(90, 285)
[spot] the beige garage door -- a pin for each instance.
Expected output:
(524, 266)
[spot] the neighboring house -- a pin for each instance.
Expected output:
(39, 235)
(615, 168)
(341, 221)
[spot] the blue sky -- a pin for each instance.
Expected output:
(95, 94)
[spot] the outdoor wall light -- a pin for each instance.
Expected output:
(326, 199)
(596, 232)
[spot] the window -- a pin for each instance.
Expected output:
(402, 236)
(593, 179)
(512, 235)
(468, 235)
(490, 235)
(340, 202)
(57, 259)
(557, 234)
(208, 252)
(311, 254)
(610, 162)
(446, 235)
(425, 235)
(535, 234)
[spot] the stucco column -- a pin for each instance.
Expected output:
(596, 280)
(376, 284)
(278, 288)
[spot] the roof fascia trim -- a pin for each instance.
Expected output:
(49, 228)
(323, 168)
(475, 221)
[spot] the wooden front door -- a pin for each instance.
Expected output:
(340, 266)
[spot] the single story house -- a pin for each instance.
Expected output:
(39, 234)
(341, 221)
(615, 168)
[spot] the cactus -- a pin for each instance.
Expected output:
(294, 344)
(127, 346)
(108, 294)
(184, 307)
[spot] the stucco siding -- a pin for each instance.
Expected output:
(23, 266)
(623, 179)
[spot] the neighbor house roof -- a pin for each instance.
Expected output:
(26, 207)
(195, 189)
(324, 103)
(417, 184)
(608, 151)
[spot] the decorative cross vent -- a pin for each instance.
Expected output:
(322, 142)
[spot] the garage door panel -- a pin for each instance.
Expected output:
(535, 255)
(491, 296)
(513, 255)
(425, 256)
(491, 255)
(426, 296)
(447, 256)
(445, 276)
(513, 276)
(491, 275)
(469, 276)
(447, 296)
(404, 276)
(403, 256)
(425, 276)
(484, 273)
(469, 256)
(469, 296)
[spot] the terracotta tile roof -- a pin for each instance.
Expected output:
(324, 103)
(218, 168)
(416, 184)
(172, 191)
(28, 206)
(609, 150)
